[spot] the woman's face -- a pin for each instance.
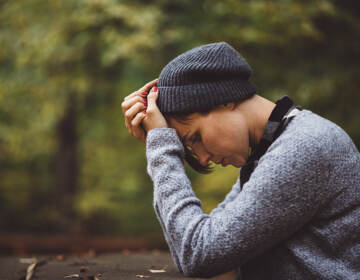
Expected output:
(221, 136)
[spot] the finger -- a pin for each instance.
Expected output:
(136, 108)
(149, 85)
(137, 130)
(151, 100)
(135, 93)
(145, 88)
(130, 102)
(129, 114)
(137, 120)
(139, 134)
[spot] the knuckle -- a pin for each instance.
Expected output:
(150, 112)
(127, 114)
(140, 99)
(125, 104)
(152, 94)
(138, 106)
(134, 122)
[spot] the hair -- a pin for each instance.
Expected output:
(190, 157)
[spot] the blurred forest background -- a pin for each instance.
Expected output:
(67, 162)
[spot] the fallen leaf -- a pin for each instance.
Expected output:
(157, 270)
(142, 276)
(72, 276)
(31, 269)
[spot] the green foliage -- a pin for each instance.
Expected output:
(92, 53)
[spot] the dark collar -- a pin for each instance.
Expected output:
(271, 130)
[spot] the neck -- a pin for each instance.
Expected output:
(258, 111)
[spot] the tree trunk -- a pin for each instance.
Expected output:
(66, 173)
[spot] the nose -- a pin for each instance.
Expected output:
(204, 158)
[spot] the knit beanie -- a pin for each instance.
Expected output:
(203, 78)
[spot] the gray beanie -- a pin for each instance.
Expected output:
(203, 78)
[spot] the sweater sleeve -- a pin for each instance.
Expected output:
(284, 192)
(229, 197)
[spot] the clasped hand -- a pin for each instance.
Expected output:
(141, 112)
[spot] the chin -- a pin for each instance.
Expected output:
(236, 162)
(237, 165)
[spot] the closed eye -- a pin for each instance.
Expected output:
(196, 138)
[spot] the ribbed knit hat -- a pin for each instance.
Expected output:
(203, 78)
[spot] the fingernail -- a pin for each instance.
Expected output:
(144, 111)
(155, 88)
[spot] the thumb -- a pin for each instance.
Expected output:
(151, 100)
(153, 118)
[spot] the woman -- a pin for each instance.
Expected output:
(294, 212)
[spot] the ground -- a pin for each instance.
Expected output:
(103, 267)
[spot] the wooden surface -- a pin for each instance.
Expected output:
(102, 267)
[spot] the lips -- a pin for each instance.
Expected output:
(218, 162)
(222, 162)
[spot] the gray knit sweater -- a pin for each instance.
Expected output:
(298, 216)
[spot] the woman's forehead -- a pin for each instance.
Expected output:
(186, 121)
(186, 127)
(181, 127)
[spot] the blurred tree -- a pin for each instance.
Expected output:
(61, 66)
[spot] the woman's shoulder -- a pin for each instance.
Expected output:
(318, 134)
(316, 128)
(313, 125)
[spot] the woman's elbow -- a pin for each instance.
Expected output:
(196, 269)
